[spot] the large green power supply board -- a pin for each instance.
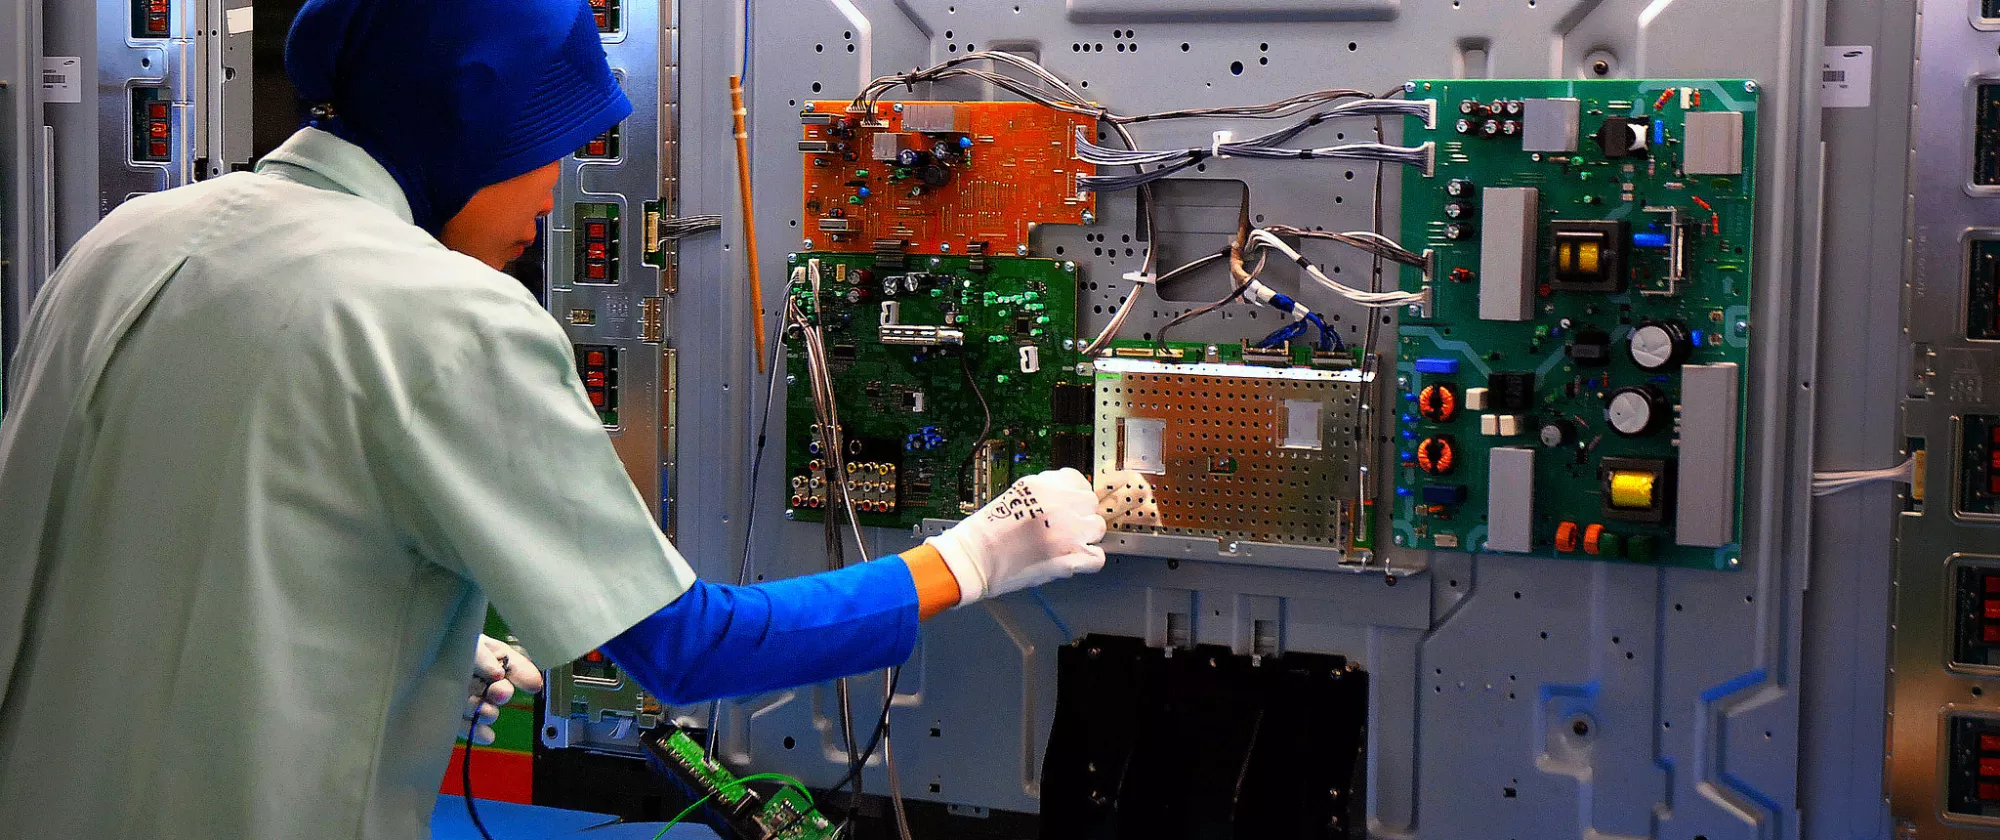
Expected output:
(1575, 385)
(921, 350)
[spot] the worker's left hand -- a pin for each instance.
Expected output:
(498, 670)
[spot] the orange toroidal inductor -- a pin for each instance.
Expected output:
(1437, 402)
(1434, 455)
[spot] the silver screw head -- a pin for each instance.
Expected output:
(1021, 250)
(1089, 218)
(899, 107)
(944, 247)
(807, 244)
(1069, 266)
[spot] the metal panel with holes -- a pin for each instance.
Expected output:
(1265, 455)
(1511, 696)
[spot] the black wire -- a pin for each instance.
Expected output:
(465, 773)
(986, 427)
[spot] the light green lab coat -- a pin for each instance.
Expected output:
(270, 448)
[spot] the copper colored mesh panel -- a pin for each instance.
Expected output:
(1259, 459)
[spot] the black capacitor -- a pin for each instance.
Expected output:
(1459, 188)
(1457, 210)
(934, 176)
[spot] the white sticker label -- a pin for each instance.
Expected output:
(62, 79)
(1302, 425)
(1847, 77)
(241, 20)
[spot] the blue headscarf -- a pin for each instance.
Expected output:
(453, 96)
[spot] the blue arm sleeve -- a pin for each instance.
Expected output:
(717, 640)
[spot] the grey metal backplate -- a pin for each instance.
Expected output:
(1949, 377)
(23, 199)
(644, 56)
(1513, 697)
(203, 68)
(1862, 355)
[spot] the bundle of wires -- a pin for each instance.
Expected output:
(1154, 165)
(1829, 483)
(675, 227)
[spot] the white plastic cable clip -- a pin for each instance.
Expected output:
(1139, 278)
(1216, 142)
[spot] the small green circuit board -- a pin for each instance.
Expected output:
(784, 814)
(1590, 309)
(919, 354)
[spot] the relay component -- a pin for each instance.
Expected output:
(608, 15)
(1979, 465)
(597, 366)
(1972, 765)
(1976, 614)
(151, 18)
(152, 125)
(598, 244)
(602, 147)
(1986, 136)
(1598, 363)
(1982, 291)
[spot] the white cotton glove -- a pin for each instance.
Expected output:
(498, 669)
(1044, 528)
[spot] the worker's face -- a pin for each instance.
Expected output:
(499, 222)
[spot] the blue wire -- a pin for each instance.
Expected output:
(1329, 338)
(1283, 334)
(745, 72)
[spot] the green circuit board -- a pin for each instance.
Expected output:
(1592, 264)
(920, 353)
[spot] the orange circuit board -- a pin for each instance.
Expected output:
(940, 177)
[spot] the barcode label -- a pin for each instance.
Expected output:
(62, 79)
(1846, 76)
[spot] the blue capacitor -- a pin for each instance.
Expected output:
(1437, 365)
(1659, 132)
(1409, 418)
(1695, 337)
(1651, 240)
(1402, 491)
(864, 192)
(1409, 398)
(965, 142)
(1409, 435)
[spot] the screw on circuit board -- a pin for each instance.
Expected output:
(1409, 87)
(944, 247)
(935, 262)
(1742, 327)
(791, 379)
(1749, 87)
(899, 107)
(1735, 561)
(808, 245)
(790, 514)
(1069, 267)
(791, 258)
(1089, 218)
(1399, 539)
(1021, 250)
(809, 107)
